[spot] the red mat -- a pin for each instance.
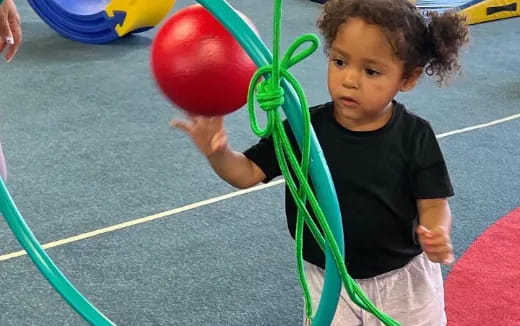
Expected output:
(483, 287)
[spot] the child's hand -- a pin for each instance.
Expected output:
(436, 244)
(208, 133)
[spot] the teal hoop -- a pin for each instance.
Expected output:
(319, 172)
(45, 264)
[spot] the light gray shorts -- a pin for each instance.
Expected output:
(412, 295)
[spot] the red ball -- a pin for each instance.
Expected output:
(199, 65)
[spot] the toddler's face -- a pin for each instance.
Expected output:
(364, 75)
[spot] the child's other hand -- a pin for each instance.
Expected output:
(207, 133)
(436, 244)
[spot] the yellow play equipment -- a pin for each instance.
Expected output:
(475, 11)
(139, 14)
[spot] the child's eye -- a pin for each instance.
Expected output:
(372, 72)
(338, 62)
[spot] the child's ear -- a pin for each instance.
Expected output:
(410, 82)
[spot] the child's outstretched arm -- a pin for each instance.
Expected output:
(434, 229)
(210, 137)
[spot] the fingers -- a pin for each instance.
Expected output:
(191, 124)
(443, 248)
(5, 33)
(423, 231)
(10, 29)
(446, 259)
(436, 244)
(183, 125)
(219, 141)
(437, 232)
(207, 133)
(212, 124)
(16, 38)
(219, 122)
(434, 239)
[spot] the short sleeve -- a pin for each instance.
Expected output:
(430, 177)
(263, 154)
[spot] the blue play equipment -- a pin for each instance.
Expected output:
(101, 21)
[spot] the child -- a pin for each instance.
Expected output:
(388, 170)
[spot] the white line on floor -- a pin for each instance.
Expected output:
(174, 211)
(480, 126)
(145, 219)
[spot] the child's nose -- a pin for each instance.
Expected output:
(351, 78)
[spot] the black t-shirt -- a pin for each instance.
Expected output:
(378, 176)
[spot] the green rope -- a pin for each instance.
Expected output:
(270, 97)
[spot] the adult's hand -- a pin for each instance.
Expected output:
(10, 29)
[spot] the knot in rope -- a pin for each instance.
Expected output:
(268, 93)
(269, 96)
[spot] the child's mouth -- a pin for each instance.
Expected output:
(348, 101)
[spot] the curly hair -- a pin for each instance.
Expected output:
(431, 41)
